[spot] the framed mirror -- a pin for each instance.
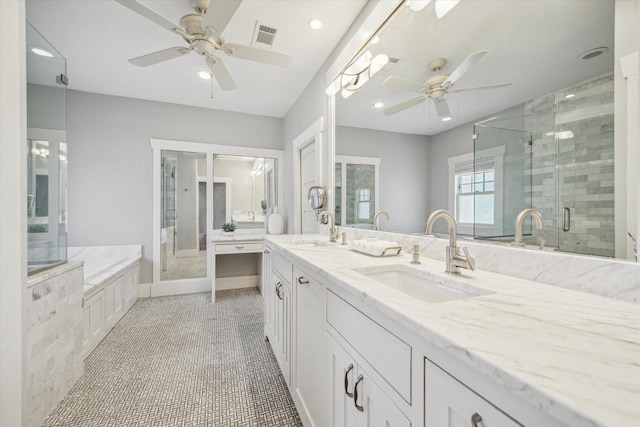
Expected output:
(515, 82)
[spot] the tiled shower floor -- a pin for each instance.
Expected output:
(182, 361)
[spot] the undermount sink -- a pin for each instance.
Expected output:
(420, 284)
(311, 243)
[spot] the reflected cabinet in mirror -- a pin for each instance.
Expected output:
(485, 118)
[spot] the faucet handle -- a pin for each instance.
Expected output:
(470, 261)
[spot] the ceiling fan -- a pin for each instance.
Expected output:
(203, 31)
(436, 86)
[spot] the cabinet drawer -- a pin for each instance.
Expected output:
(448, 402)
(238, 247)
(281, 265)
(368, 338)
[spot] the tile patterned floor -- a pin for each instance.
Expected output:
(182, 361)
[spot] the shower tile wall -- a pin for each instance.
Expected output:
(583, 181)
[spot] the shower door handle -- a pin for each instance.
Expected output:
(566, 219)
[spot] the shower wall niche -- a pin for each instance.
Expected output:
(47, 155)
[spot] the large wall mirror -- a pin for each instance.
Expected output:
(494, 107)
(197, 189)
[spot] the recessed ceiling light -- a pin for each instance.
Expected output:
(378, 104)
(445, 119)
(314, 24)
(204, 75)
(570, 95)
(375, 40)
(41, 52)
(593, 53)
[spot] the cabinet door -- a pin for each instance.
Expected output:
(450, 403)
(94, 322)
(309, 378)
(113, 300)
(267, 293)
(277, 308)
(131, 282)
(285, 332)
(375, 409)
(342, 372)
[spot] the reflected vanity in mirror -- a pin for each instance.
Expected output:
(198, 188)
(516, 112)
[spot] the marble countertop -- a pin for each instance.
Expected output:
(573, 355)
(237, 237)
(102, 263)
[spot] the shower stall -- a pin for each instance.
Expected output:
(559, 161)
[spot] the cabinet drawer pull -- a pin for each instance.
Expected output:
(355, 393)
(302, 280)
(239, 246)
(476, 420)
(266, 251)
(278, 289)
(346, 381)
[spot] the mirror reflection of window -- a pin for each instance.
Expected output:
(355, 195)
(183, 205)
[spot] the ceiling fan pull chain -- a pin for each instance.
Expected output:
(429, 121)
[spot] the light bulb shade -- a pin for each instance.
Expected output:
(360, 64)
(444, 6)
(418, 5)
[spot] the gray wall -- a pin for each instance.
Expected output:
(45, 107)
(110, 161)
(404, 173)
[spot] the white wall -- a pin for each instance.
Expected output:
(110, 161)
(404, 173)
(13, 212)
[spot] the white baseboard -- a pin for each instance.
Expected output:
(144, 290)
(237, 282)
(180, 287)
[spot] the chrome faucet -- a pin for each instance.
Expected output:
(333, 232)
(520, 221)
(375, 218)
(454, 260)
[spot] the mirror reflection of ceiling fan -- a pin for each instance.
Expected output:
(203, 31)
(436, 86)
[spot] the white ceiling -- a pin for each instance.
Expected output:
(534, 44)
(97, 37)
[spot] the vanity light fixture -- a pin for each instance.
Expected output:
(570, 95)
(375, 40)
(445, 6)
(418, 5)
(446, 119)
(204, 75)
(40, 51)
(357, 74)
(314, 23)
(378, 104)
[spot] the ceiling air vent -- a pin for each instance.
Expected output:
(263, 36)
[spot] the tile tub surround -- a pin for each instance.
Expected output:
(609, 277)
(54, 338)
(573, 355)
(101, 263)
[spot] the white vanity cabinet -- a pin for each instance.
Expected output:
(448, 402)
(355, 399)
(308, 375)
(278, 309)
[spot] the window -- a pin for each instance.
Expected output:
(363, 201)
(476, 194)
(356, 190)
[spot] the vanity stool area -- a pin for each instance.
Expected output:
(236, 261)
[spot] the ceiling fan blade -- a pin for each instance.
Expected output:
(160, 56)
(404, 105)
(219, 14)
(442, 107)
(404, 85)
(144, 11)
(257, 55)
(492, 86)
(220, 73)
(463, 68)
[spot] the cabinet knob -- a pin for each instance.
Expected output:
(346, 380)
(476, 420)
(303, 281)
(355, 393)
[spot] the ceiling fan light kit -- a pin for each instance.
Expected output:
(357, 74)
(203, 31)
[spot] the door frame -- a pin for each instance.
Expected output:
(185, 286)
(313, 134)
